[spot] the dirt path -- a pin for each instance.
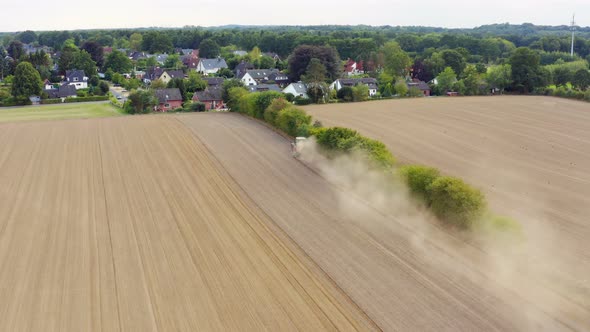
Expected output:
(403, 278)
(129, 224)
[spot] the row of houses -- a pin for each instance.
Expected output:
(74, 80)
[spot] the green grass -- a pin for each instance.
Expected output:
(58, 112)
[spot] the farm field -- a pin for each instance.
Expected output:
(130, 224)
(530, 155)
(403, 274)
(58, 112)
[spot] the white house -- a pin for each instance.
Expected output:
(297, 89)
(257, 76)
(351, 82)
(210, 66)
(77, 78)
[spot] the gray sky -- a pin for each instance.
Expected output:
(21, 15)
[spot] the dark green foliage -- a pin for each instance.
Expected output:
(581, 79)
(157, 42)
(227, 85)
(526, 73)
(419, 178)
(27, 37)
(272, 111)
(301, 58)
(455, 202)
(263, 100)
(345, 94)
(27, 81)
(195, 107)
(301, 101)
(95, 50)
(103, 87)
(141, 101)
(209, 49)
(85, 99)
(293, 121)
(179, 83)
(118, 62)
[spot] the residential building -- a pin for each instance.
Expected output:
(298, 89)
(152, 74)
(257, 76)
(211, 97)
(351, 82)
(352, 68)
(168, 75)
(168, 99)
(242, 67)
(272, 55)
(214, 81)
(416, 83)
(279, 78)
(63, 91)
(77, 78)
(264, 87)
(211, 66)
(240, 53)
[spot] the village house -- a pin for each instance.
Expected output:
(424, 88)
(351, 82)
(242, 67)
(168, 99)
(77, 78)
(258, 76)
(264, 87)
(62, 91)
(352, 68)
(298, 89)
(280, 79)
(168, 75)
(214, 81)
(211, 66)
(211, 97)
(272, 55)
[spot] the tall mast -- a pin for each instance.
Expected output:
(573, 33)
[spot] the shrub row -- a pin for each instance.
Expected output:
(450, 199)
(85, 99)
(564, 92)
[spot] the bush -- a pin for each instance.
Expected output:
(178, 109)
(50, 101)
(86, 99)
(455, 202)
(290, 97)
(345, 93)
(415, 92)
(335, 138)
(419, 178)
(262, 100)
(293, 121)
(360, 92)
(301, 101)
(195, 107)
(271, 112)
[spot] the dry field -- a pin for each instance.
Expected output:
(403, 276)
(530, 155)
(130, 224)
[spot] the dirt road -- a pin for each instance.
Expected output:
(404, 278)
(129, 224)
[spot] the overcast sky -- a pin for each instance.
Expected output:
(19, 15)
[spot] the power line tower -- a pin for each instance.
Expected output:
(573, 33)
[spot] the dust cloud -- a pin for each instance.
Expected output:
(517, 267)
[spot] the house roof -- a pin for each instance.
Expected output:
(165, 95)
(272, 55)
(242, 67)
(299, 87)
(419, 84)
(264, 87)
(371, 82)
(153, 73)
(71, 74)
(214, 81)
(260, 74)
(63, 91)
(174, 73)
(213, 93)
(278, 77)
(210, 64)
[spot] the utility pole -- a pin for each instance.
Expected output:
(573, 33)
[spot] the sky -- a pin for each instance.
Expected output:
(69, 14)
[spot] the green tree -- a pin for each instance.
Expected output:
(195, 82)
(360, 92)
(225, 72)
(67, 58)
(562, 75)
(471, 81)
(173, 61)
(318, 92)
(118, 62)
(141, 101)
(581, 79)
(401, 88)
(387, 90)
(315, 72)
(179, 83)
(27, 37)
(83, 61)
(499, 77)
(135, 41)
(455, 202)
(157, 42)
(301, 57)
(209, 49)
(525, 69)
(446, 80)
(157, 84)
(396, 61)
(103, 88)
(345, 93)
(15, 50)
(229, 84)
(267, 62)
(95, 51)
(455, 60)
(27, 81)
